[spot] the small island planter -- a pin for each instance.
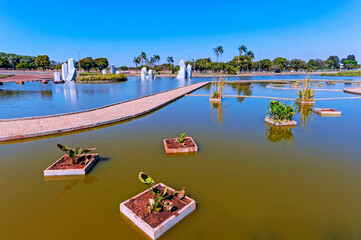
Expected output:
(301, 102)
(156, 232)
(215, 100)
(180, 149)
(76, 171)
(272, 122)
(327, 112)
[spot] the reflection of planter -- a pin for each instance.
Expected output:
(283, 123)
(171, 145)
(305, 102)
(327, 112)
(157, 223)
(217, 100)
(64, 167)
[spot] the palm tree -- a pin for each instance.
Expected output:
(250, 54)
(136, 61)
(242, 49)
(218, 51)
(152, 60)
(156, 58)
(143, 57)
(170, 60)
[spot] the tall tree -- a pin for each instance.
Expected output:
(101, 63)
(250, 54)
(218, 51)
(42, 61)
(170, 60)
(242, 49)
(87, 63)
(335, 60)
(156, 58)
(280, 62)
(143, 57)
(136, 61)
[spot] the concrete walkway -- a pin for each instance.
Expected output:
(14, 129)
(353, 90)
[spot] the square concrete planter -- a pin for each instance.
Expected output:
(156, 232)
(181, 149)
(327, 112)
(300, 102)
(215, 100)
(272, 122)
(92, 159)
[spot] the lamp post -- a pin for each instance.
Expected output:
(78, 59)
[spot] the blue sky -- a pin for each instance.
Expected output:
(120, 30)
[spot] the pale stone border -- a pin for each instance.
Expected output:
(66, 172)
(327, 112)
(353, 90)
(155, 233)
(215, 100)
(289, 123)
(180, 150)
(22, 128)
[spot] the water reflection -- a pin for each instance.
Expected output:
(279, 134)
(70, 92)
(242, 89)
(217, 113)
(87, 180)
(305, 112)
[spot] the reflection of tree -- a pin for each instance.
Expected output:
(8, 94)
(277, 134)
(242, 89)
(217, 113)
(305, 112)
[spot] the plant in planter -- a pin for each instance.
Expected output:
(158, 208)
(306, 94)
(160, 201)
(280, 114)
(75, 162)
(218, 86)
(180, 144)
(75, 152)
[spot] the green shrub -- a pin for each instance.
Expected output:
(343, 74)
(101, 77)
(306, 94)
(279, 112)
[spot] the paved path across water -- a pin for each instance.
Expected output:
(14, 129)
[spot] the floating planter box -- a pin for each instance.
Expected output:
(215, 100)
(285, 123)
(44, 82)
(20, 82)
(301, 102)
(156, 223)
(64, 165)
(171, 145)
(327, 112)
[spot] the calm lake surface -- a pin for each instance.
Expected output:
(36, 99)
(250, 181)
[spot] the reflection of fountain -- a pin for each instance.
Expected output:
(277, 134)
(305, 112)
(242, 89)
(218, 113)
(70, 92)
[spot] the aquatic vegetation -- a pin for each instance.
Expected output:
(306, 94)
(280, 112)
(343, 74)
(182, 137)
(219, 85)
(159, 201)
(75, 152)
(88, 77)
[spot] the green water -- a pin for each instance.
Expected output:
(304, 184)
